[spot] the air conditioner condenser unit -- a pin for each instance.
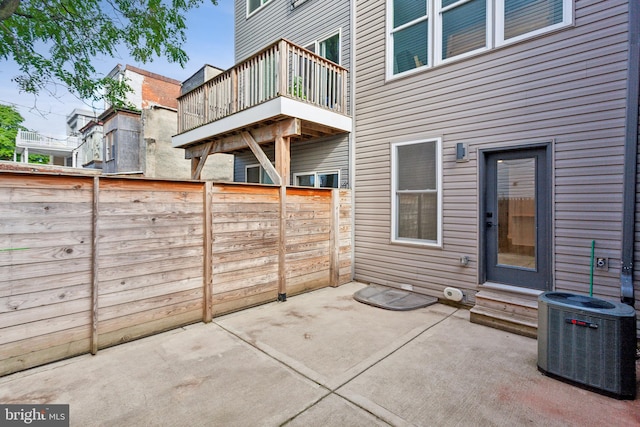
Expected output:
(589, 342)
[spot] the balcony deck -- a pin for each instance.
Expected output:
(261, 95)
(36, 143)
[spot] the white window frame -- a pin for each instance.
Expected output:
(437, 33)
(316, 180)
(567, 19)
(390, 32)
(394, 213)
(109, 146)
(494, 33)
(263, 3)
(316, 44)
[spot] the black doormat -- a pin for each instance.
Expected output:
(392, 298)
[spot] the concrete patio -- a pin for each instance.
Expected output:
(319, 359)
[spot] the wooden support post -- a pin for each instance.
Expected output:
(283, 158)
(282, 167)
(94, 268)
(334, 246)
(194, 166)
(208, 252)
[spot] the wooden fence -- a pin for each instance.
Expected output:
(89, 262)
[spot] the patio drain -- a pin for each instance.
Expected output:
(392, 299)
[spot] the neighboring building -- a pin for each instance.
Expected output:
(290, 100)
(496, 140)
(78, 119)
(137, 139)
(59, 149)
(83, 125)
(89, 153)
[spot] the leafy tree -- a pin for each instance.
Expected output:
(54, 41)
(10, 124)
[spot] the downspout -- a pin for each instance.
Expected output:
(630, 155)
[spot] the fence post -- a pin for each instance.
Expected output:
(94, 268)
(334, 243)
(207, 304)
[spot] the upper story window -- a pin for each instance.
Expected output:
(328, 47)
(425, 33)
(253, 5)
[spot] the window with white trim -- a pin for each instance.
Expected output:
(425, 33)
(253, 5)
(328, 47)
(256, 174)
(329, 179)
(417, 192)
(109, 146)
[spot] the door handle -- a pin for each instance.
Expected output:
(490, 224)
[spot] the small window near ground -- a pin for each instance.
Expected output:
(256, 174)
(318, 179)
(417, 206)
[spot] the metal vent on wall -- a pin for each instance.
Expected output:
(588, 341)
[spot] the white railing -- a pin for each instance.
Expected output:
(36, 140)
(282, 69)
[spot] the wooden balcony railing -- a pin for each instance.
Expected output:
(282, 69)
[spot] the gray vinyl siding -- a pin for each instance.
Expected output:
(309, 21)
(318, 155)
(301, 25)
(566, 88)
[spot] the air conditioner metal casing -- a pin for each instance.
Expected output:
(589, 342)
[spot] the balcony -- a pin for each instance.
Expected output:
(28, 142)
(282, 91)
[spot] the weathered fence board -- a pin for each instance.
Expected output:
(127, 205)
(88, 262)
(36, 265)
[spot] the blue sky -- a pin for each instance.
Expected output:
(209, 41)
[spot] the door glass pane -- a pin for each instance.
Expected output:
(516, 212)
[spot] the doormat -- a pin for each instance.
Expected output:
(392, 298)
